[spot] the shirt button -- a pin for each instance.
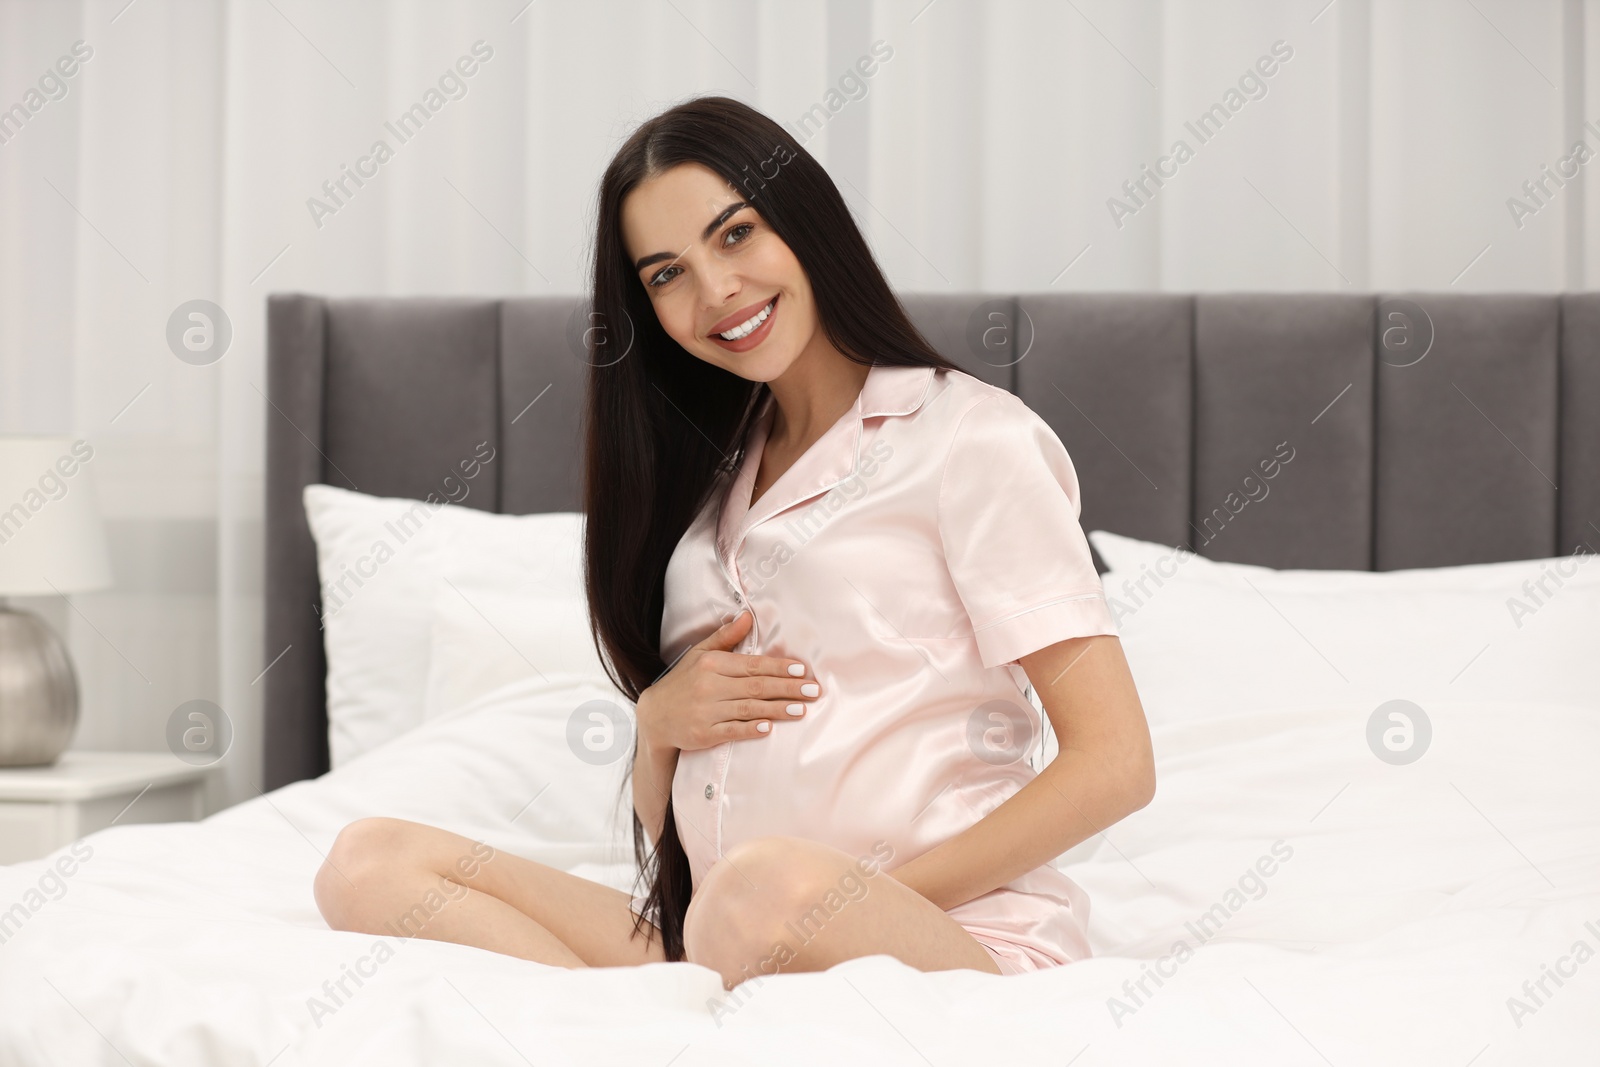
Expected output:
(711, 790)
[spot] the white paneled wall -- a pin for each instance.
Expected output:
(982, 154)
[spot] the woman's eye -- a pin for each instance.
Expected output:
(663, 276)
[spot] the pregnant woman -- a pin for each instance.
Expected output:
(826, 565)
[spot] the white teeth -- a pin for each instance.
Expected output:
(746, 328)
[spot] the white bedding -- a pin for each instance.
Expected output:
(1415, 900)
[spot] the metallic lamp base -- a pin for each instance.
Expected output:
(38, 691)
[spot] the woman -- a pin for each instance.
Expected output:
(824, 563)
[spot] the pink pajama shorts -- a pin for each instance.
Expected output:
(1012, 957)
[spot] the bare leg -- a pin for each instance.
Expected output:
(402, 878)
(786, 903)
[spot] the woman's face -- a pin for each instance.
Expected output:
(710, 264)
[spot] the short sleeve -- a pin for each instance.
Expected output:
(1008, 516)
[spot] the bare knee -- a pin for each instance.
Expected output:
(743, 918)
(364, 852)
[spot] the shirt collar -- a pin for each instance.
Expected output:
(888, 390)
(893, 390)
(833, 457)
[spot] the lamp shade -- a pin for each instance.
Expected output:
(51, 537)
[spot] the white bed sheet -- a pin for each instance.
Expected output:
(1416, 900)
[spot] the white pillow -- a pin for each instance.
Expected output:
(1130, 556)
(1215, 639)
(510, 606)
(378, 561)
(386, 564)
(500, 769)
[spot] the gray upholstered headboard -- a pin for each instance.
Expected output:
(1486, 448)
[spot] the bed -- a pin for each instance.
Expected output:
(1301, 890)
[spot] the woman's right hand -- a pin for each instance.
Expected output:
(713, 694)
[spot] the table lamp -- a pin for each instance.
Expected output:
(51, 542)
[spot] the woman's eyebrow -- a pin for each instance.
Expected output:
(711, 227)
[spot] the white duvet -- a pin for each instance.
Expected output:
(1287, 898)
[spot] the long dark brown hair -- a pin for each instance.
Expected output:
(662, 426)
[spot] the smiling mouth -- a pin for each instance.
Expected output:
(750, 325)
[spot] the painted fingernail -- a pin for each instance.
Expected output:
(797, 669)
(797, 709)
(763, 727)
(810, 689)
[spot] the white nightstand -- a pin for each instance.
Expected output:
(43, 808)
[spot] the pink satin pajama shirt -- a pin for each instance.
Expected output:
(909, 557)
